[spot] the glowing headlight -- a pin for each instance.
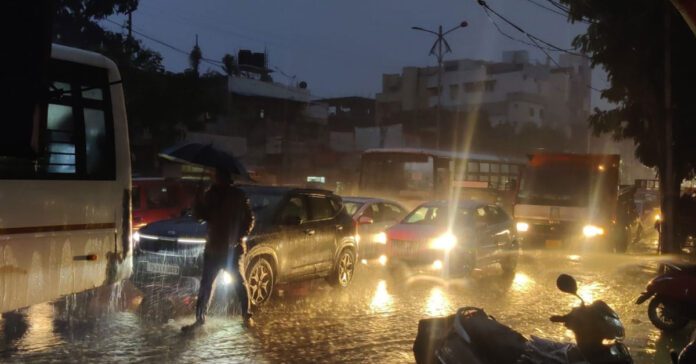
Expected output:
(590, 231)
(190, 241)
(136, 237)
(226, 278)
(445, 241)
(658, 217)
(382, 259)
(522, 227)
(381, 238)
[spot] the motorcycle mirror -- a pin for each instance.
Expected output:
(567, 284)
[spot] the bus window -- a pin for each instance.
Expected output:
(76, 133)
(485, 168)
(514, 169)
(472, 167)
(504, 169)
(495, 168)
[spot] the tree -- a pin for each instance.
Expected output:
(229, 65)
(195, 57)
(627, 39)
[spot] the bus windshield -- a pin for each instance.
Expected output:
(557, 184)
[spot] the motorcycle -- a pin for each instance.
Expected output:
(673, 294)
(473, 337)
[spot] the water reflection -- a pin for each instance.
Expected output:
(522, 282)
(590, 291)
(381, 300)
(438, 304)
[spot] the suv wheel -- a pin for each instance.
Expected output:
(260, 281)
(345, 267)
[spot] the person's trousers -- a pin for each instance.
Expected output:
(212, 264)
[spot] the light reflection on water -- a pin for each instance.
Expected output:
(437, 304)
(381, 300)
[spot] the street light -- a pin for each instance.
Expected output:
(437, 51)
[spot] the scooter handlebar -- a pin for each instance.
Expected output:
(557, 318)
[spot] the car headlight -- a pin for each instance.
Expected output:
(136, 237)
(445, 241)
(590, 231)
(185, 240)
(381, 238)
(522, 227)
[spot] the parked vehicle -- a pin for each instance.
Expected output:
(299, 234)
(454, 238)
(471, 336)
(673, 302)
(155, 199)
(688, 354)
(373, 216)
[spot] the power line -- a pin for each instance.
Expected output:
(555, 11)
(534, 39)
(165, 44)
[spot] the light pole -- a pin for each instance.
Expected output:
(437, 51)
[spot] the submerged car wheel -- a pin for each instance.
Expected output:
(260, 281)
(345, 267)
(664, 315)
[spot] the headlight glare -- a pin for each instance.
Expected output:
(381, 238)
(522, 227)
(590, 231)
(136, 237)
(445, 241)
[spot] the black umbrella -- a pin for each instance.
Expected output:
(205, 155)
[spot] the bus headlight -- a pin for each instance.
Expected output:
(590, 231)
(446, 241)
(381, 238)
(522, 227)
(136, 237)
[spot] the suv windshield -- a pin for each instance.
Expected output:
(436, 215)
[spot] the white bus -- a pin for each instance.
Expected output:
(65, 207)
(412, 176)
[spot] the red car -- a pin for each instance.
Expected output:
(454, 239)
(157, 199)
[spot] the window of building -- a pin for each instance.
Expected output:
(490, 86)
(432, 91)
(541, 113)
(454, 91)
(531, 111)
(75, 129)
(451, 66)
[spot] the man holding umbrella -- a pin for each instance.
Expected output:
(229, 218)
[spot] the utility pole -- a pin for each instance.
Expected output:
(667, 241)
(438, 52)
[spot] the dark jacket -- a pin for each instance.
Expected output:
(228, 213)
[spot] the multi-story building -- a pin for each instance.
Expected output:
(517, 91)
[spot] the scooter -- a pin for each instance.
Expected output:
(473, 337)
(673, 294)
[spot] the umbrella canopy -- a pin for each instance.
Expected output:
(205, 155)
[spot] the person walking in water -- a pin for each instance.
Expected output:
(228, 214)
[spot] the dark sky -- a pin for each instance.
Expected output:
(341, 48)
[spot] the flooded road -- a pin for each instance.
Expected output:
(374, 320)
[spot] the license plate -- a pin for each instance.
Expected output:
(162, 268)
(554, 244)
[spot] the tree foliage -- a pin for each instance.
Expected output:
(627, 39)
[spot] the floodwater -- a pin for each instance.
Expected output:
(374, 320)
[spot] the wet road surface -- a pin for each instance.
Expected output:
(374, 320)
